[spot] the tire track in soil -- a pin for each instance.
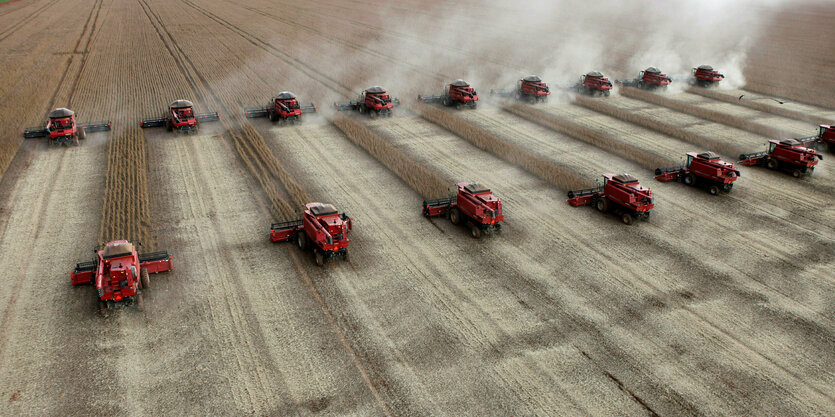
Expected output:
(360, 366)
(13, 28)
(672, 251)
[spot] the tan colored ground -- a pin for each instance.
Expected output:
(716, 306)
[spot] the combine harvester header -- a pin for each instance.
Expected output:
(458, 93)
(594, 83)
(63, 129)
(181, 117)
(648, 79)
(706, 76)
(373, 100)
(282, 108)
(530, 89)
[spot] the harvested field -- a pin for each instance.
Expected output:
(717, 305)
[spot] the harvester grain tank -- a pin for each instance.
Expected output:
(120, 274)
(649, 79)
(181, 118)
(473, 205)
(373, 100)
(282, 108)
(789, 155)
(594, 83)
(706, 76)
(530, 89)
(706, 170)
(620, 194)
(62, 128)
(458, 93)
(321, 229)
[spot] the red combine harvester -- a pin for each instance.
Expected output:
(181, 117)
(374, 101)
(704, 169)
(458, 93)
(620, 194)
(530, 88)
(789, 155)
(283, 108)
(474, 205)
(322, 228)
(594, 83)
(648, 79)
(827, 137)
(706, 76)
(120, 274)
(63, 129)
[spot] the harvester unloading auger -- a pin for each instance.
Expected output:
(530, 89)
(620, 194)
(458, 93)
(473, 205)
(181, 118)
(282, 108)
(63, 129)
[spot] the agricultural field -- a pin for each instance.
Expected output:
(715, 305)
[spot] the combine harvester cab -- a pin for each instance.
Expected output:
(827, 137)
(374, 100)
(181, 118)
(648, 79)
(530, 89)
(594, 83)
(620, 194)
(473, 205)
(63, 129)
(321, 229)
(458, 93)
(282, 108)
(789, 155)
(704, 169)
(120, 274)
(706, 76)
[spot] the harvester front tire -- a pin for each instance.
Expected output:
(144, 278)
(455, 216)
(361, 108)
(320, 258)
(446, 101)
(602, 204)
(796, 173)
(627, 218)
(773, 164)
(301, 240)
(372, 114)
(689, 179)
(713, 190)
(169, 126)
(457, 106)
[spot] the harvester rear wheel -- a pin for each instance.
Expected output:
(796, 173)
(301, 240)
(320, 258)
(455, 216)
(82, 133)
(772, 164)
(713, 190)
(169, 126)
(602, 204)
(446, 101)
(144, 278)
(627, 218)
(272, 116)
(475, 231)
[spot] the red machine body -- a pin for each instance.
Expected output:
(181, 118)
(530, 88)
(120, 274)
(594, 83)
(620, 194)
(63, 129)
(706, 76)
(789, 155)
(282, 108)
(474, 204)
(458, 93)
(374, 101)
(648, 79)
(704, 169)
(322, 228)
(827, 137)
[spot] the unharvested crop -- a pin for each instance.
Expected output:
(601, 140)
(756, 105)
(704, 113)
(661, 127)
(424, 181)
(125, 210)
(540, 166)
